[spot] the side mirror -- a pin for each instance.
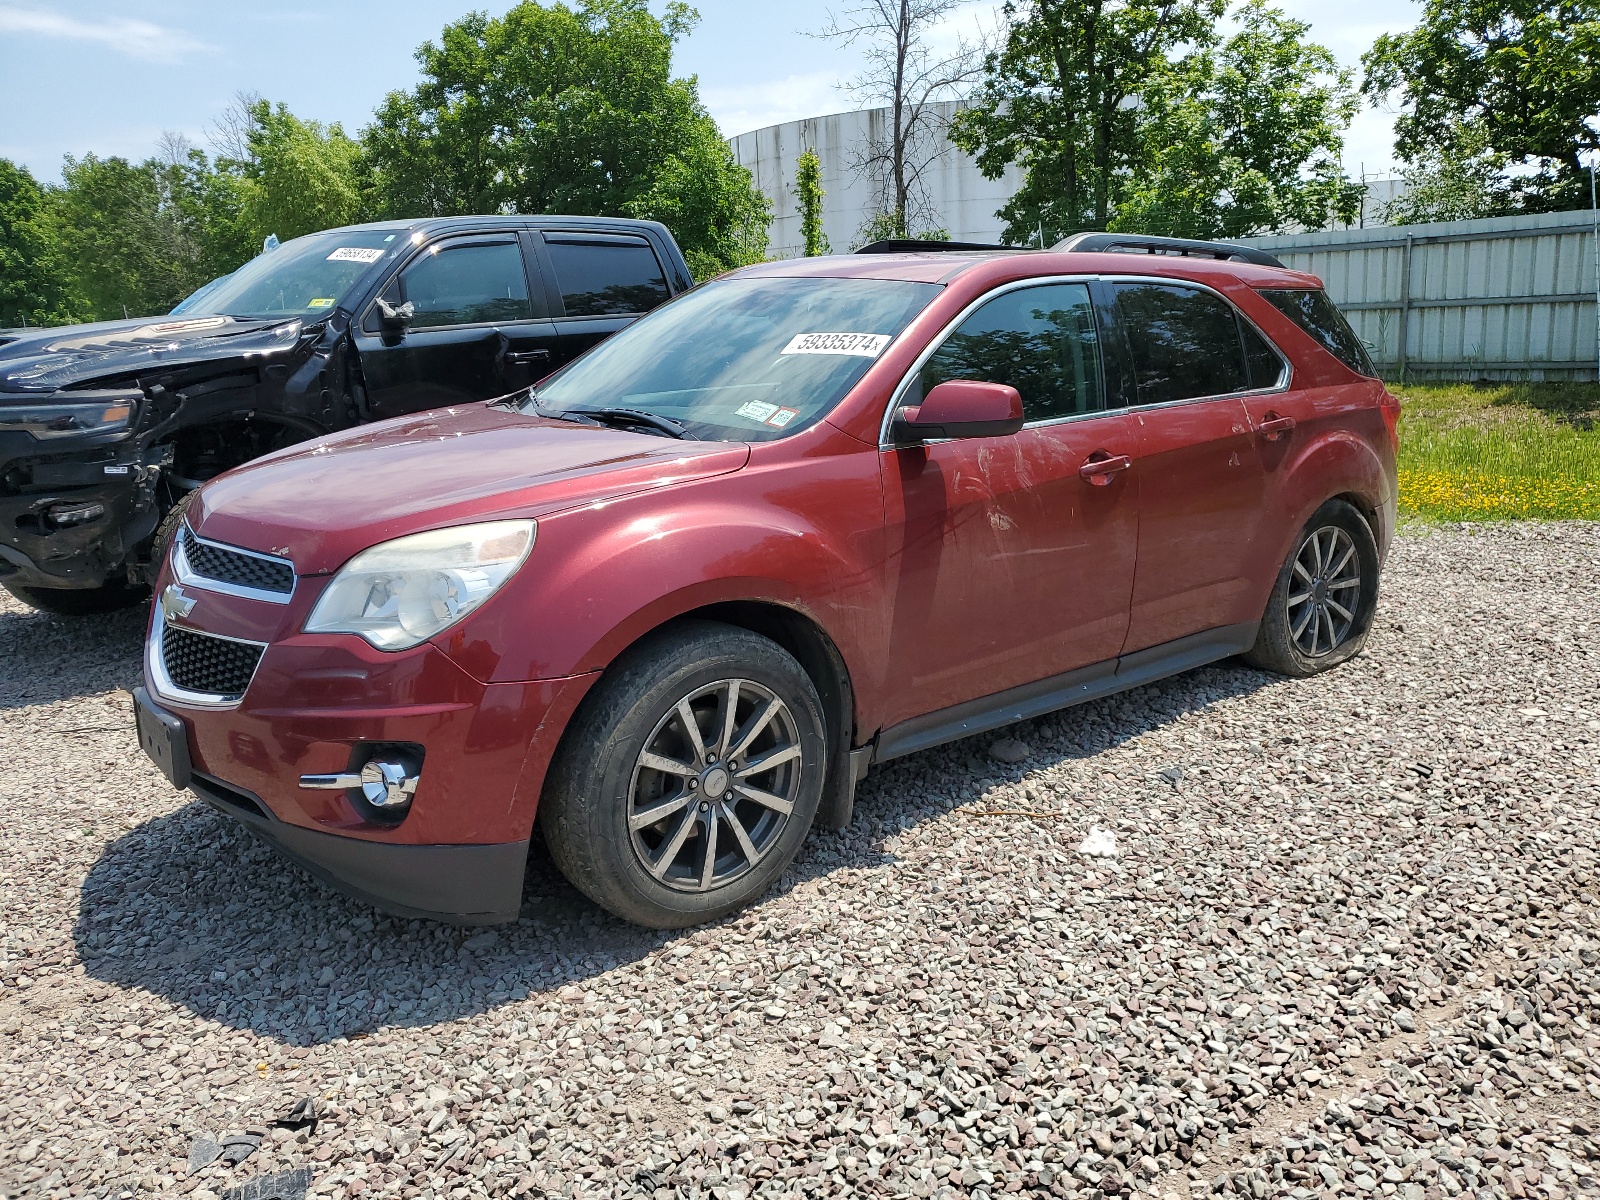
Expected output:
(396, 319)
(961, 408)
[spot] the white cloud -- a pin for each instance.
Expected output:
(755, 106)
(135, 38)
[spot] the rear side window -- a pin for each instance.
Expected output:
(1316, 314)
(1039, 340)
(1266, 365)
(1185, 342)
(468, 284)
(606, 278)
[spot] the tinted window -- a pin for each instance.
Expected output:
(1316, 314)
(743, 359)
(1039, 340)
(1185, 342)
(1266, 367)
(605, 278)
(468, 285)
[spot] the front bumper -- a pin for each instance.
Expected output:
(464, 885)
(322, 705)
(35, 478)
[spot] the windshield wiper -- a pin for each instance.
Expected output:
(631, 418)
(626, 418)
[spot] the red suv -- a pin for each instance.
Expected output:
(674, 600)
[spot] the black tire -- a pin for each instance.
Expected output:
(1287, 643)
(597, 778)
(161, 540)
(80, 602)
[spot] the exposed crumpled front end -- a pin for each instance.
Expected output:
(87, 417)
(77, 486)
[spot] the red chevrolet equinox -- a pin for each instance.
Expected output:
(674, 600)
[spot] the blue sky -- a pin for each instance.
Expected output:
(87, 75)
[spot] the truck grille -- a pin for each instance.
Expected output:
(238, 568)
(212, 666)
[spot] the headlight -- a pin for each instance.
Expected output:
(46, 421)
(401, 593)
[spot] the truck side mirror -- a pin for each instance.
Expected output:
(396, 318)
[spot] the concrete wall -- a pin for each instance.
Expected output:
(961, 200)
(1502, 298)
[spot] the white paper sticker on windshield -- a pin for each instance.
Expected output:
(862, 345)
(356, 254)
(756, 410)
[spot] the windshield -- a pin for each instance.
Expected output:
(302, 278)
(743, 359)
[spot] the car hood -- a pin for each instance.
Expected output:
(321, 502)
(72, 356)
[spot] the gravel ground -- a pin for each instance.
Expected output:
(1349, 945)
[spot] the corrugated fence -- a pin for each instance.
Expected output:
(1502, 298)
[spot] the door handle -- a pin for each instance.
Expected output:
(1275, 426)
(523, 358)
(1100, 471)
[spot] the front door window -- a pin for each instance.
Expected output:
(471, 284)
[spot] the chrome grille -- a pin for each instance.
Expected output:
(213, 666)
(210, 562)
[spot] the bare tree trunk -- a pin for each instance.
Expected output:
(902, 48)
(904, 76)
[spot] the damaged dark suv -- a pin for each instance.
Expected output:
(106, 429)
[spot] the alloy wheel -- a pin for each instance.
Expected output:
(715, 785)
(1324, 592)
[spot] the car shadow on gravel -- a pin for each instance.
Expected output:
(191, 907)
(45, 659)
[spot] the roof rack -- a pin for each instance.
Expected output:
(916, 245)
(1138, 243)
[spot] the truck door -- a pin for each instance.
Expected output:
(478, 328)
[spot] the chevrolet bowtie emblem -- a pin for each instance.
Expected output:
(175, 606)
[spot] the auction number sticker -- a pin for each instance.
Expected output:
(360, 254)
(861, 345)
(321, 302)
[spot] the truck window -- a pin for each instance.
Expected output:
(472, 283)
(606, 276)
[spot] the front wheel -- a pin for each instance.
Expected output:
(690, 777)
(1324, 597)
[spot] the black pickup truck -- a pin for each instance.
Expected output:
(106, 428)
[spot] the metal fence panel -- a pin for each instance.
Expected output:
(1502, 298)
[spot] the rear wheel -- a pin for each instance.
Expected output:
(690, 778)
(80, 602)
(1324, 597)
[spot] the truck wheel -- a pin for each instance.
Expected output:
(80, 602)
(689, 778)
(161, 540)
(1324, 597)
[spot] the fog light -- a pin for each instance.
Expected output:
(384, 785)
(74, 514)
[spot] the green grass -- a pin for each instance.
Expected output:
(1509, 451)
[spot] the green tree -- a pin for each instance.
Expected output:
(300, 176)
(1519, 79)
(565, 109)
(1061, 97)
(808, 187)
(122, 239)
(34, 285)
(1245, 138)
(1459, 180)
